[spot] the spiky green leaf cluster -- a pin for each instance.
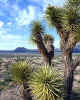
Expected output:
(66, 18)
(72, 17)
(37, 31)
(46, 84)
(21, 71)
(73, 12)
(48, 37)
(75, 3)
(53, 16)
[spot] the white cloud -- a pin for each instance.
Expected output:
(44, 3)
(11, 37)
(15, 7)
(1, 24)
(25, 17)
(6, 35)
(4, 1)
(2, 32)
(36, 0)
(58, 3)
(12, 41)
(57, 43)
(9, 23)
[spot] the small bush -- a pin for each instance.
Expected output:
(21, 71)
(46, 84)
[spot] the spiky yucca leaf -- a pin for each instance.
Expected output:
(77, 32)
(73, 3)
(48, 37)
(21, 71)
(37, 31)
(66, 18)
(54, 16)
(72, 17)
(46, 84)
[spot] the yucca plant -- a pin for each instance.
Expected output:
(39, 38)
(46, 84)
(21, 71)
(48, 37)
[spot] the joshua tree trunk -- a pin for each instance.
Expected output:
(67, 46)
(50, 56)
(40, 39)
(68, 75)
(43, 51)
(50, 51)
(26, 91)
(48, 61)
(47, 55)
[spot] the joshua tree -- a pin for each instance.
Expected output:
(67, 23)
(43, 41)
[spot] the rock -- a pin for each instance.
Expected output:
(76, 85)
(77, 77)
(10, 95)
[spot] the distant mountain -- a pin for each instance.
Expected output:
(75, 50)
(24, 50)
(21, 50)
(6, 51)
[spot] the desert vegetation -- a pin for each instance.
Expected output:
(43, 41)
(41, 83)
(45, 76)
(66, 21)
(36, 61)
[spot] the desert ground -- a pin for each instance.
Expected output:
(8, 89)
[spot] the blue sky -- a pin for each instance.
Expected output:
(15, 19)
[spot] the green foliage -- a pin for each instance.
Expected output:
(72, 17)
(72, 12)
(53, 16)
(73, 3)
(21, 71)
(48, 37)
(66, 18)
(37, 31)
(46, 84)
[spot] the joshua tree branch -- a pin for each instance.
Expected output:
(70, 43)
(61, 35)
(42, 48)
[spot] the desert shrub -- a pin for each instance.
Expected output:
(46, 84)
(21, 71)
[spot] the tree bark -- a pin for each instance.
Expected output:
(67, 45)
(27, 91)
(50, 51)
(50, 56)
(47, 60)
(76, 63)
(68, 75)
(44, 51)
